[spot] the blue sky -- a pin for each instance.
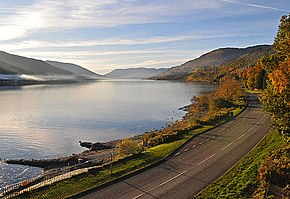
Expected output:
(111, 34)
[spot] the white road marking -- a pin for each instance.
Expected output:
(138, 196)
(163, 183)
(206, 159)
(186, 149)
(213, 136)
(227, 146)
(207, 140)
(250, 129)
(241, 136)
(255, 124)
(260, 120)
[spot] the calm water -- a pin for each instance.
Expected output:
(47, 121)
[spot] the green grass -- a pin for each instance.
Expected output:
(97, 177)
(256, 91)
(237, 111)
(122, 167)
(240, 181)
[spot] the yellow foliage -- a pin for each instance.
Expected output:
(128, 146)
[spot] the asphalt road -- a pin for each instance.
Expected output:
(197, 164)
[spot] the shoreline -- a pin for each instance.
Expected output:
(76, 159)
(176, 134)
(90, 157)
(69, 160)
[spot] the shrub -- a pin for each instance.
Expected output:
(129, 146)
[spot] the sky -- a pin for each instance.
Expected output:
(103, 35)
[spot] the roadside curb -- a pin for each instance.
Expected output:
(271, 129)
(133, 173)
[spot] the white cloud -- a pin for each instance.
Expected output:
(11, 32)
(95, 55)
(255, 5)
(87, 43)
(19, 22)
(52, 15)
(19, 46)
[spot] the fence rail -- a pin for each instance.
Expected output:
(52, 176)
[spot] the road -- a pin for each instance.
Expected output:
(198, 163)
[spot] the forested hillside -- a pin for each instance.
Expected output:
(238, 68)
(213, 65)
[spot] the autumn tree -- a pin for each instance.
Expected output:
(256, 77)
(276, 98)
(230, 90)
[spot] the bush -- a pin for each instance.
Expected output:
(275, 170)
(128, 146)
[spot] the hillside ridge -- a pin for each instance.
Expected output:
(214, 58)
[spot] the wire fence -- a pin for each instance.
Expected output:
(55, 175)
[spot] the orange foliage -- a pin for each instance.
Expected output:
(280, 77)
(189, 78)
(258, 68)
(275, 168)
(249, 72)
(230, 90)
(252, 71)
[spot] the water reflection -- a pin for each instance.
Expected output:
(47, 121)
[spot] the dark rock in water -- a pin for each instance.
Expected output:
(96, 146)
(47, 163)
(86, 144)
(95, 156)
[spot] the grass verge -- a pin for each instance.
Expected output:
(256, 91)
(241, 180)
(122, 167)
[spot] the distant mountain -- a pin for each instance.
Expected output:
(134, 73)
(6, 68)
(18, 70)
(14, 64)
(215, 58)
(75, 69)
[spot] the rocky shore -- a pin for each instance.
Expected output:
(98, 145)
(97, 154)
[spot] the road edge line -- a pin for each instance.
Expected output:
(271, 129)
(133, 173)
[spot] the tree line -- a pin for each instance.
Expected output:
(272, 75)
